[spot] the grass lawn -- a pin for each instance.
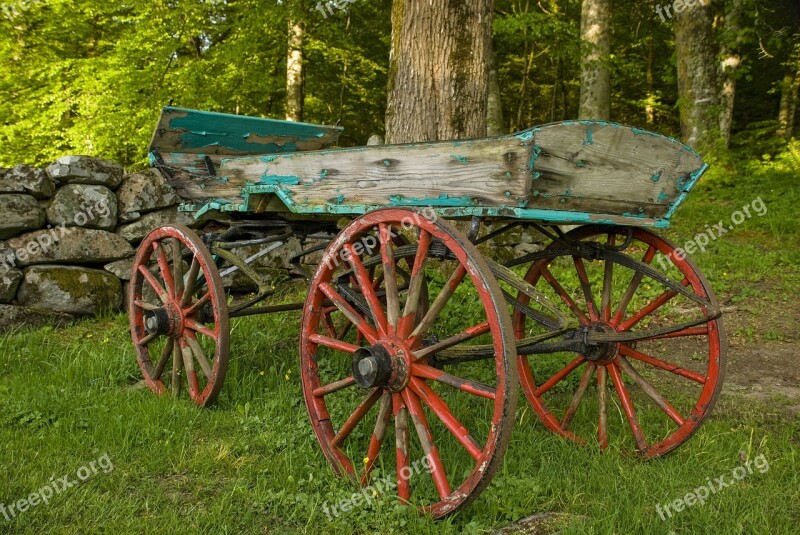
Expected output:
(251, 463)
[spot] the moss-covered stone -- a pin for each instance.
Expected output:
(70, 290)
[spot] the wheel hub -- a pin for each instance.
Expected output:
(383, 365)
(166, 321)
(602, 352)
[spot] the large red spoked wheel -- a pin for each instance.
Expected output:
(361, 384)
(664, 357)
(178, 313)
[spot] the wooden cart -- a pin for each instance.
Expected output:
(417, 333)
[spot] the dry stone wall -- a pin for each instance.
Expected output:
(68, 234)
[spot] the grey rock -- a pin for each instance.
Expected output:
(9, 282)
(86, 170)
(29, 180)
(136, 231)
(19, 213)
(13, 318)
(145, 192)
(121, 268)
(79, 205)
(71, 245)
(130, 217)
(70, 290)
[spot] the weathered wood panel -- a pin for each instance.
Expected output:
(583, 168)
(606, 168)
(189, 131)
(488, 172)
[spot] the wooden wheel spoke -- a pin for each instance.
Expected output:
(426, 441)
(591, 305)
(322, 391)
(332, 343)
(349, 312)
(608, 279)
(627, 407)
(602, 402)
(442, 411)
(151, 280)
(390, 277)
(199, 354)
(415, 285)
(177, 266)
(438, 305)
(163, 267)
(354, 419)
(562, 293)
(651, 392)
(177, 365)
(465, 335)
(378, 435)
(560, 376)
(651, 307)
(465, 385)
(658, 363)
(401, 447)
(190, 282)
(199, 304)
(367, 290)
(147, 339)
(162, 362)
(578, 396)
(188, 365)
(202, 329)
(144, 305)
(619, 313)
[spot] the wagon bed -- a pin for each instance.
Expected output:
(573, 172)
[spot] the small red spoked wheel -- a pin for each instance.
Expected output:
(178, 312)
(664, 362)
(382, 375)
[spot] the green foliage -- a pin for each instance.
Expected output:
(82, 76)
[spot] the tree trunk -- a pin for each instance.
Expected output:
(652, 97)
(438, 76)
(494, 106)
(697, 84)
(790, 87)
(295, 71)
(596, 49)
(729, 68)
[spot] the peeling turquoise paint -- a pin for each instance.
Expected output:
(235, 132)
(324, 173)
(684, 191)
(657, 176)
(337, 200)
(588, 140)
(280, 180)
(662, 197)
(460, 159)
(387, 163)
(580, 163)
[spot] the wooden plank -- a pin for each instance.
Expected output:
(182, 130)
(488, 172)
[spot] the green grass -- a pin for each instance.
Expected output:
(251, 463)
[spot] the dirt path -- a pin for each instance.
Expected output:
(764, 353)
